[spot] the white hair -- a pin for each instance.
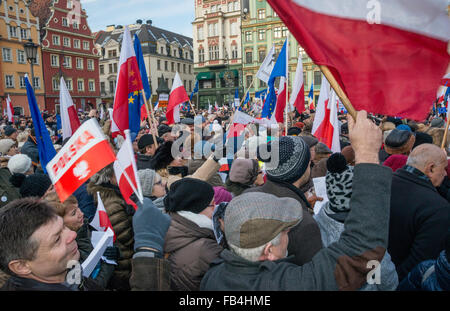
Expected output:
(253, 254)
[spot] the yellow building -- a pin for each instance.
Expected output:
(17, 25)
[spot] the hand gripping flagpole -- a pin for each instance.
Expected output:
(339, 92)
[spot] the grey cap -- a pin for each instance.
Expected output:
(147, 178)
(254, 219)
(321, 148)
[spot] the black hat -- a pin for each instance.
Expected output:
(162, 119)
(163, 156)
(35, 185)
(145, 140)
(294, 131)
(163, 129)
(422, 138)
(399, 142)
(189, 194)
(9, 130)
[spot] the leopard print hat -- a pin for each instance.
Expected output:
(339, 181)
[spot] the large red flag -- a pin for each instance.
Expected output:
(177, 96)
(69, 118)
(388, 60)
(79, 159)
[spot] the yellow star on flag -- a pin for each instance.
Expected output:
(131, 100)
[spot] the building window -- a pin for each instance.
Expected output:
(261, 34)
(111, 86)
(184, 68)
(234, 51)
(65, 23)
(115, 67)
(261, 55)
(172, 65)
(112, 53)
(56, 40)
(213, 52)
(190, 69)
(69, 4)
(275, 14)
(284, 31)
(75, 25)
(262, 14)
(201, 55)
(166, 65)
(236, 5)
(36, 61)
(13, 31)
(216, 52)
(69, 84)
(277, 32)
(162, 50)
(66, 42)
(90, 64)
(200, 33)
(9, 81)
(213, 9)
(213, 29)
(249, 80)
(36, 83)
(54, 60)
(233, 29)
(262, 84)
(22, 82)
(24, 33)
(102, 69)
(21, 57)
(6, 52)
(102, 87)
(190, 85)
(79, 63)
(80, 85)
(158, 64)
(249, 57)
(67, 62)
(317, 78)
(85, 45)
(55, 83)
(76, 43)
(248, 36)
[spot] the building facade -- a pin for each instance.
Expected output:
(68, 50)
(165, 53)
(217, 50)
(17, 26)
(262, 29)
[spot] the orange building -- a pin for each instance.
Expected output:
(17, 26)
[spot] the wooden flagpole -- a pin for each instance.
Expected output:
(148, 117)
(444, 140)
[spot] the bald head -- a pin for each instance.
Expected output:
(430, 160)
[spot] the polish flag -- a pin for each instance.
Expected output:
(69, 118)
(297, 98)
(177, 96)
(9, 109)
(128, 82)
(101, 220)
(441, 94)
(326, 124)
(376, 50)
(446, 79)
(79, 159)
(278, 114)
(125, 170)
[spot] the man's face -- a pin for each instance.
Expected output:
(438, 172)
(280, 251)
(57, 246)
(14, 135)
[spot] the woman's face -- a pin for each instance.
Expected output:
(159, 187)
(74, 217)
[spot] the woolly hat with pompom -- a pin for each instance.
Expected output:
(339, 181)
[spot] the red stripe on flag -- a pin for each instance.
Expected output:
(73, 117)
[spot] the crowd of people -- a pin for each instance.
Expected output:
(219, 218)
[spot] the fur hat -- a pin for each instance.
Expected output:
(19, 163)
(399, 142)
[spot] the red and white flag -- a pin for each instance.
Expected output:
(326, 124)
(101, 220)
(69, 118)
(446, 79)
(128, 82)
(376, 53)
(79, 159)
(177, 96)
(297, 98)
(9, 109)
(125, 170)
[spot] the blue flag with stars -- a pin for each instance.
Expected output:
(194, 91)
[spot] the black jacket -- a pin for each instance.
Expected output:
(419, 220)
(143, 162)
(16, 283)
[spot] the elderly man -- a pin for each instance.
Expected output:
(257, 230)
(419, 215)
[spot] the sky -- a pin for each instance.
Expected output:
(172, 15)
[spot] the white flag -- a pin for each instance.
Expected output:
(266, 67)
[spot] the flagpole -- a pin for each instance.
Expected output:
(337, 88)
(192, 107)
(287, 108)
(248, 89)
(444, 140)
(148, 117)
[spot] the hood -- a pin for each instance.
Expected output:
(183, 232)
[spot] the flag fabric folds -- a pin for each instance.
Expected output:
(43, 140)
(297, 99)
(376, 57)
(9, 109)
(194, 91)
(79, 159)
(101, 220)
(266, 68)
(126, 108)
(237, 101)
(311, 98)
(69, 117)
(177, 97)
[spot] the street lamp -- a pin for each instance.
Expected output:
(31, 52)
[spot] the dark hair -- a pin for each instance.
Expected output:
(18, 221)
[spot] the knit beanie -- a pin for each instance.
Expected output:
(221, 195)
(189, 194)
(147, 179)
(396, 161)
(294, 157)
(339, 181)
(19, 163)
(35, 185)
(244, 171)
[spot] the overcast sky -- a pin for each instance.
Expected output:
(172, 15)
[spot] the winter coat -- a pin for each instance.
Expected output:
(340, 266)
(149, 273)
(30, 149)
(16, 283)
(8, 192)
(304, 239)
(430, 275)
(331, 230)
(190, 249)
(121, 221)
(419, 220)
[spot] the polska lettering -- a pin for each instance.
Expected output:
(79, 143)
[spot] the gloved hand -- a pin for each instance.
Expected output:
(112, 253)
(150, 226)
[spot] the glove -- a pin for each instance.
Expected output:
(112, 253)
(150, 226)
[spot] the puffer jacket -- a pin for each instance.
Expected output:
(120, 215)
(429, 275)
(190, 250)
